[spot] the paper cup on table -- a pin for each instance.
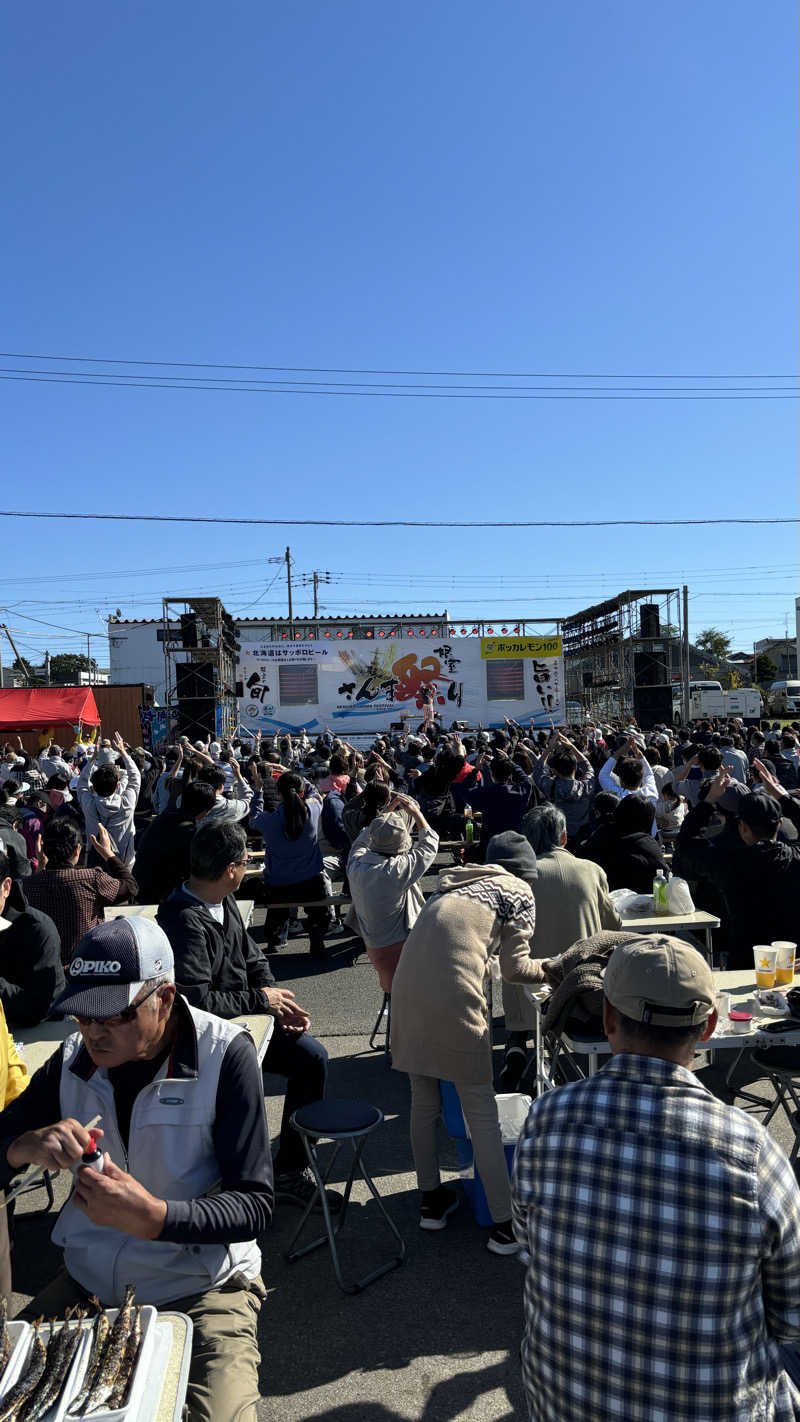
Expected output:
(784, 968)
(766, 958)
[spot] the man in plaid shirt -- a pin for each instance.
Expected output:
(662, 1225)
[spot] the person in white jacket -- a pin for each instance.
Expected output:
(626, 772)
(383, 873)
(108, 797)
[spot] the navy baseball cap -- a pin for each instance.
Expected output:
(112, 963)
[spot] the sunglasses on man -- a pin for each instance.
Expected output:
(118, 1019)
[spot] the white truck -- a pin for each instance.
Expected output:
(704, 701)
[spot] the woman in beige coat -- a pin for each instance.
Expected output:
(440, 1025)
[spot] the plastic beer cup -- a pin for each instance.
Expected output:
(784, 968)
(766, 958)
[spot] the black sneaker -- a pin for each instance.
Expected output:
(296, 1187)
(513, 1068)
(501, 1239)
(436, 1206)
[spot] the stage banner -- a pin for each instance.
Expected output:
(313, 684)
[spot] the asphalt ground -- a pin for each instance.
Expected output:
(437, 1339)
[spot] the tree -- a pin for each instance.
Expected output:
(66, 667)
(34, 676)
(713, 644)
(766, 671)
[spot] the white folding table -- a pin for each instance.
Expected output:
(246, 907)
(697, 922)
(728, 1036)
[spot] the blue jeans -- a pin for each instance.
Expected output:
(304, 1062)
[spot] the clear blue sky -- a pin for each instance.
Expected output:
(449, 186)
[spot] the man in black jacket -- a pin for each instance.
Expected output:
(710, 853)
(756, 878)
(162, 856)
(31, 975)
(764, 897)
(219, 968)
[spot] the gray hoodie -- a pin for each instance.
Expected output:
(114, 811)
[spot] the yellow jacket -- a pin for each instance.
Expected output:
(13, 1072)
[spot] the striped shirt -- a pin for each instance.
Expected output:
(663, 1228)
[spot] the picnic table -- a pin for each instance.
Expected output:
(39, 1043)
(697, 922)
(246, 907)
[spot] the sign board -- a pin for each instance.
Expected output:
(511, 647)
(367, 684)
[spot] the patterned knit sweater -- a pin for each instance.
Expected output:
(440, 1024)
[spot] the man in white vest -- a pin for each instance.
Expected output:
(186, 1185)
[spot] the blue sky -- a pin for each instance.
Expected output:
(604, 189)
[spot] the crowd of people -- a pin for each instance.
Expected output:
(538, 828)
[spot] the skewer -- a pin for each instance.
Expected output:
(36, 1172)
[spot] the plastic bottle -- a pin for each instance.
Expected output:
(469, 829)
(92, 1158)
(660, 903)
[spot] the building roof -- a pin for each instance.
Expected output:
(345, 617)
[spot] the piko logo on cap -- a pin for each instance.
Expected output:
(84, 966)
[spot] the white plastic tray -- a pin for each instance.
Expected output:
(19, 1333)
(133, 1408)
(145, 1398)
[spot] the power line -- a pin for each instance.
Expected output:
(59, 628)
(148, 572)
(124, 383)
(323, 386)
(365, 370)
(743, 569)
(394, 522)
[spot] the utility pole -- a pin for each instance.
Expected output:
(288, 556)
(315, 579)
(89, 654)
(685, 664)
(47, 667)
(26, 668)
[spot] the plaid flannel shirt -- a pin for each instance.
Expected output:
(663, 1228)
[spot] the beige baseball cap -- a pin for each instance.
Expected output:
(660, 981)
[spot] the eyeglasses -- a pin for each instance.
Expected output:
(119, 1019)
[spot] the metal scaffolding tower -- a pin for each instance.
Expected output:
(200, 654)
(622, 646)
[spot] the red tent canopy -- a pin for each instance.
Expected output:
(35, 707)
